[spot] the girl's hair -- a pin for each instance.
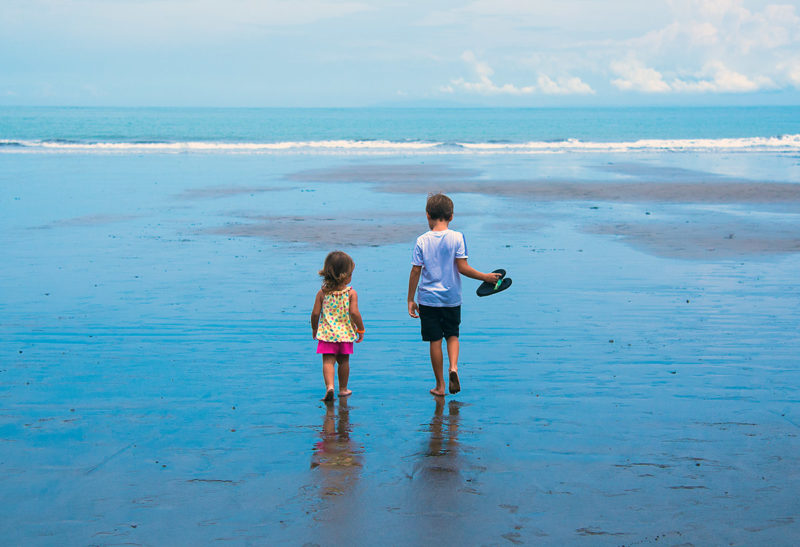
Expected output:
(338, 266)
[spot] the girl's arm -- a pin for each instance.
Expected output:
(315, 314)
(355, 315)
(465, 269)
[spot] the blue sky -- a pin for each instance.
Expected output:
(353, 53)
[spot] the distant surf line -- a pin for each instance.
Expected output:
(784, 143)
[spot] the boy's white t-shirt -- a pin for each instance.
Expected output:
(439, 282)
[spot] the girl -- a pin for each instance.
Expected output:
(336, 304)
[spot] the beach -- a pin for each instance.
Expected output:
(637, 385)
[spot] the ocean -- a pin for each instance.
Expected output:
(637, 384)
(431, 131)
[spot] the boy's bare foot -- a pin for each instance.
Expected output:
(455, 385)
(345, 393)
(328, 396)
(437, 393)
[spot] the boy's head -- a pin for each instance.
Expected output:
(439, 207)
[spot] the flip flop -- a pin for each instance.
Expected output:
(455, 385)
(486, 289)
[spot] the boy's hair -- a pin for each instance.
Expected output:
(338, 266)
(439, 207)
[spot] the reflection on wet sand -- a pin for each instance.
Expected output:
(444, 442)
(440, 463)
(336, 458)
(436, 497)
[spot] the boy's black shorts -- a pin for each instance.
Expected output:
(438, 323)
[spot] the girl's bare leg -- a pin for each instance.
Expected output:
(437, 362)
(328, 363)
(344, 374)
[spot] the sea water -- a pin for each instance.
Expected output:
(159, 384)
(400, 130)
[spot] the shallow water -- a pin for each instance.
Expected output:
(158, 382)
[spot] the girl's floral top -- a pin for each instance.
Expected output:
(334, 322)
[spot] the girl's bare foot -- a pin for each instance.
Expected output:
(328, 396)
(345, 393)
(437, 393)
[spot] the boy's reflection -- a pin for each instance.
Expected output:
(438, 484)
(441, 459)
(335, 455)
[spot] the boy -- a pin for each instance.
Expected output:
(439, 256)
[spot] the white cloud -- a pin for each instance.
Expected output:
(700, 46)
(791, 71)
(741, 31)
(563, 86)
(688, 34)
(277, 50)
(634, 76)
(775, 26)
(713, 46)
(718, 78)
(715, 77)
(485, 86)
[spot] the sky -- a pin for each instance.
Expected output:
(413, 53)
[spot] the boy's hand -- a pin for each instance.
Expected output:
(413, 309)
(491, 278)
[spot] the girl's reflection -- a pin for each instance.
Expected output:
(335, 455)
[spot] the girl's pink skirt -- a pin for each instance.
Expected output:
(336, 348)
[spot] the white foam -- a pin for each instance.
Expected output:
(200, 146)
(786, 143)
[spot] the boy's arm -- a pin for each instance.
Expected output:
(413, 281)
(355, 315)
(465, 269)
(315, 314)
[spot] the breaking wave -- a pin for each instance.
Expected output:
(784, 143)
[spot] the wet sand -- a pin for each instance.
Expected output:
(664, 185)
(689, 231)
(353, 229)
(158, 383)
